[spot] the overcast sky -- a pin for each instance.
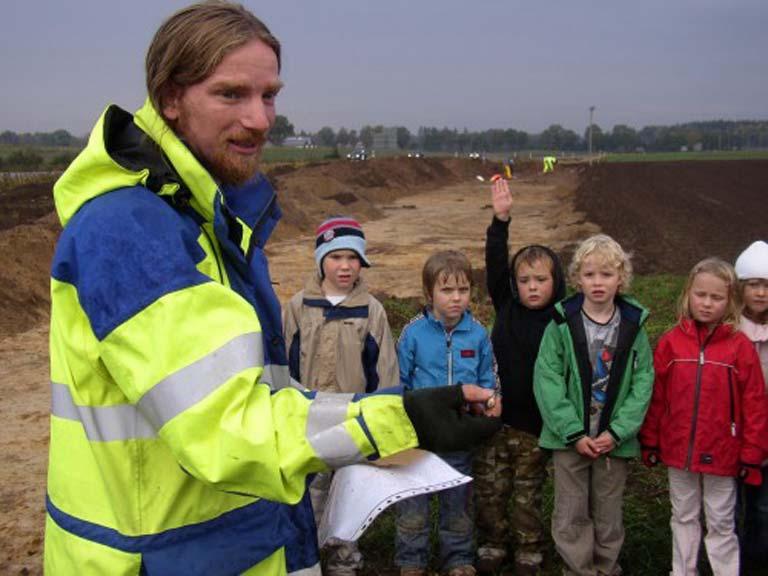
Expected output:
(457, 63)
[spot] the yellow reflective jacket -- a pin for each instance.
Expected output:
(175, 437)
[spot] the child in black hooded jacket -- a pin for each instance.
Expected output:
(524, 291)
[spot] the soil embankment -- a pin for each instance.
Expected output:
(673, 214)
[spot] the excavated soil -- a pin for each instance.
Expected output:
(673, 214)
(669, 215)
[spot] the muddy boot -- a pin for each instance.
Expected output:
(490, 559)
(462, 571)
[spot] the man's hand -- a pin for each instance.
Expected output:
(586, 447)
(441, 421)
(491, 406)
(501, 199)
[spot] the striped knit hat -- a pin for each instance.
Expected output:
(339, 233)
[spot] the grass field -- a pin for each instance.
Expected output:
(682, 156)
(647, 548)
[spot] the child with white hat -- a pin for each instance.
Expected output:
(752, 271)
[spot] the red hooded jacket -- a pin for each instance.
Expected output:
(709, 411)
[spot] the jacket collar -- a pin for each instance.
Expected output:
(462, 325)
(313, 292)
(699, 331)
(127, 150)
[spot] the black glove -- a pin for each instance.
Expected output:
(442, 424)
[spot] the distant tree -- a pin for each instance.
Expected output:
(366, 136)
(558, 138)
(342, 137)
(403, 137)
(326, 137)
(9, 137)
(624, 138)
(281, 129)
(61, 138)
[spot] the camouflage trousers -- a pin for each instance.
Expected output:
(342, 557)
(512, 467)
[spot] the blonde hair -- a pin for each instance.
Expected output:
(444, 264)
(609, 252)
(725, 272)
(189, 46)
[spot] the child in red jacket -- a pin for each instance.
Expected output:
(708, 420)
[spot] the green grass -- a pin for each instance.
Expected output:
(647, 549)
(682, 156)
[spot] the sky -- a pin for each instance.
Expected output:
(474, 64)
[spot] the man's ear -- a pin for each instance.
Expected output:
(170, 102)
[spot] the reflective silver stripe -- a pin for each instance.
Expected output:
(326, 411)
(101, 423)
(326, 433)
(185, 388)
(278, 377)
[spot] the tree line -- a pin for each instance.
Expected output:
(710, 135)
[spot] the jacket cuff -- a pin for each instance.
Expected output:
(571, 439)
(616, 437)
(499, 223)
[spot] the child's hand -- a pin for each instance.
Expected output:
(501, 199)
(586, 447)
(605, 443)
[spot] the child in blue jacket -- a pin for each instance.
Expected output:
(443, 346)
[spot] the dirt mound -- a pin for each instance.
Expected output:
(673, 214)
(321, 189)
(29, 227)
(24, 204)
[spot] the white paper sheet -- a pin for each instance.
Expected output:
(359, 493)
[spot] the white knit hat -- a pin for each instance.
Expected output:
(753, 262)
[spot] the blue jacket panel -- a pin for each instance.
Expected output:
(430, 356)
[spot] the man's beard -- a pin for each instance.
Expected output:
(224, 165)
(231, 168)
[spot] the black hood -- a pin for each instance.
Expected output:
(558, 278)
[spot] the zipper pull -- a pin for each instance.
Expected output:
(733, 429)
(701, 357)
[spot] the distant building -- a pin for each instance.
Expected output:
(298, 142)
(385, 140)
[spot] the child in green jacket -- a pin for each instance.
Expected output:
(593, 382)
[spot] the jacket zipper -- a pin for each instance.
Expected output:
(215, 253)
(733, 408)
(448, 338)
(699, 370)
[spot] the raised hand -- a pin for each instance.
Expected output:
(501, 199)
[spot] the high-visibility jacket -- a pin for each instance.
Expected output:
(178, 443)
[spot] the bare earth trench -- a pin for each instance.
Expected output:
(414, 226)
